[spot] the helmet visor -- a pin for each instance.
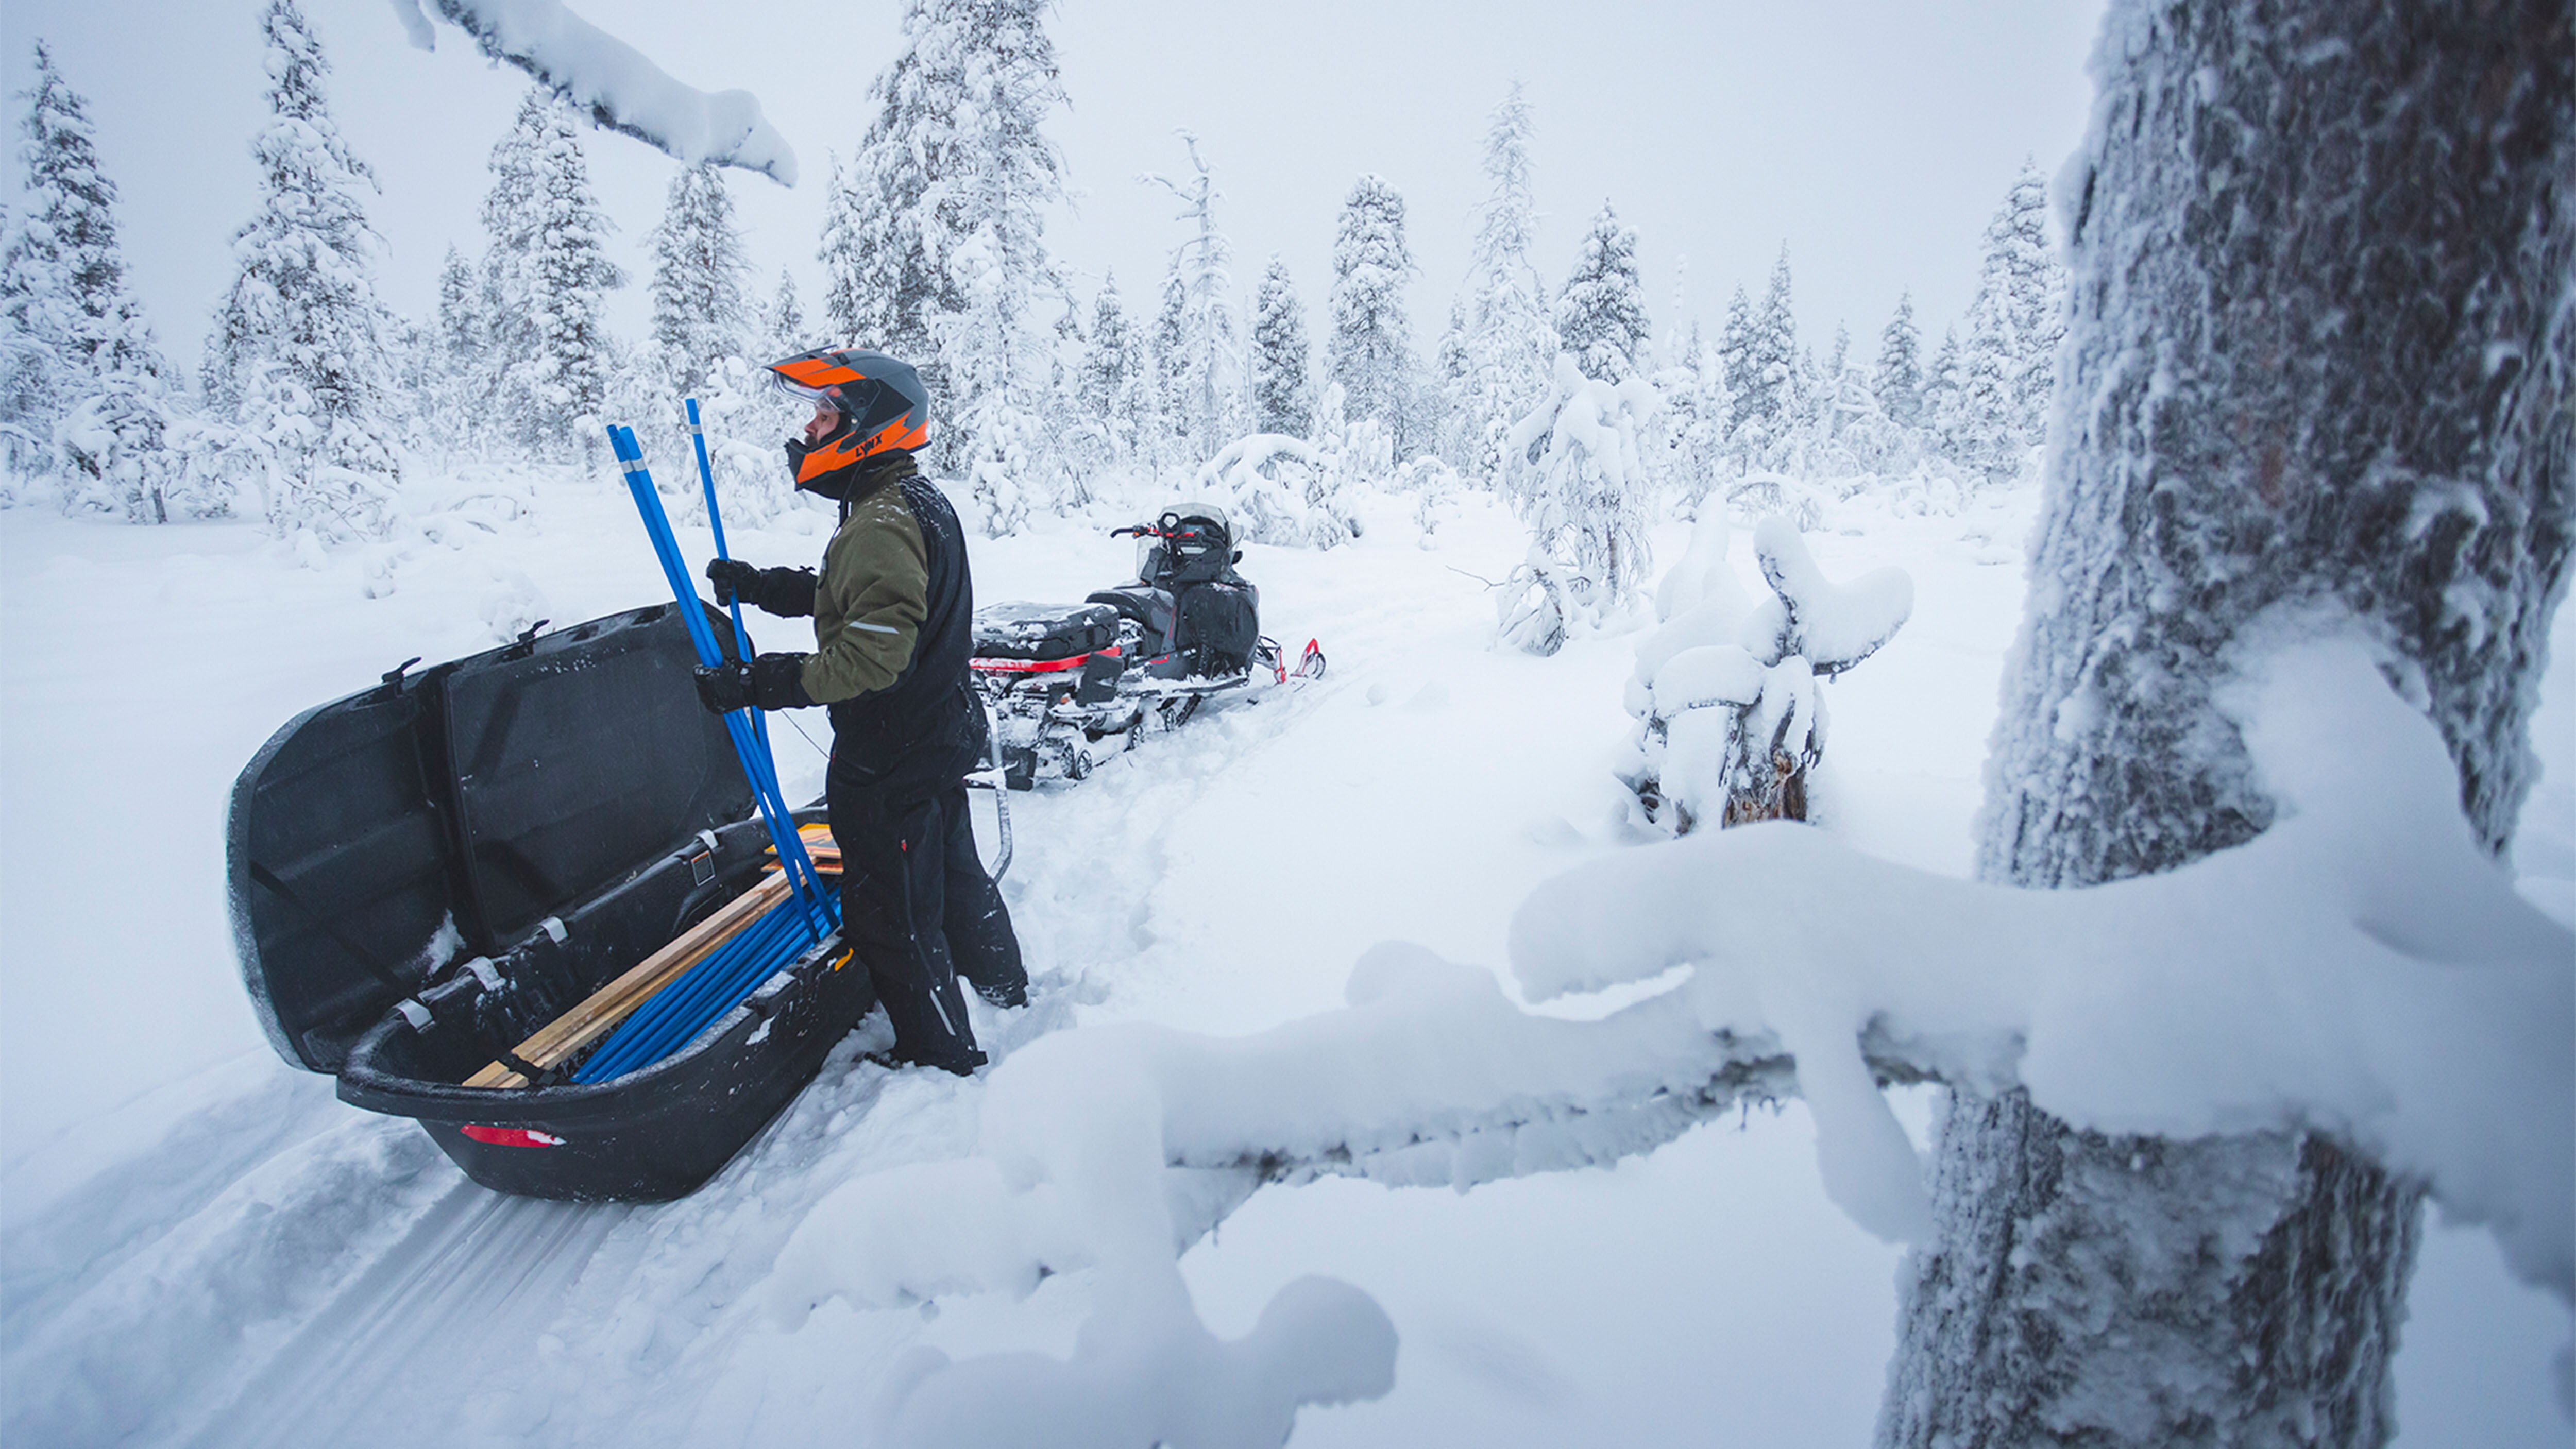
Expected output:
(814, 397)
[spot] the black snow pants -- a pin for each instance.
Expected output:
(919, 910)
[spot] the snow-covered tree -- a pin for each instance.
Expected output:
(1735, 345)
(560, 380)
(783, 331)
(1941, 387)
(459, 337)
(702, 310)
(87, 383)
(1601, 314)
(1370, 351)
(1167, 357)
(1980, 430)
(296, 363)
(1113, 404)
(1206, 394)
(1898, 379)
(934, 242)
(1767, 398)
(1506, 340)
(1586, 494)
(2030, 285)
(63, 187)
(1283, 399)
(1996, 388)
(855, 279)
(1691, 426)
(2398, 472)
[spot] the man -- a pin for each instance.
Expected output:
(893, 625)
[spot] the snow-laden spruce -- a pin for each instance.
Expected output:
(548, 353)
(1601, 314)
(613, 82)
(1283, 392)
(1369, 352)
(295, 373)
(2001, 377)
(1729, 719)
(85, 394)
(706, 344)
(934, 245)
(1764, 371)
(1581, 481)
(1504, 339)
(1898, 378)
(701, 285)
(1113, 415)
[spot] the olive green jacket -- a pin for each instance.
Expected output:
(873, 593)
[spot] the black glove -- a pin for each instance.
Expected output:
(788, 593)
(768, 681)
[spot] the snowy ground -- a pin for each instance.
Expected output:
(202, 1246)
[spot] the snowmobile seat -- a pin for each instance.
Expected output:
(1044, 631)
(1157, 617)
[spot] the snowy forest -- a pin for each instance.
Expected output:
(314, 401)
(2141, 1012)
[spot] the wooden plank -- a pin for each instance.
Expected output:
(600, 1012)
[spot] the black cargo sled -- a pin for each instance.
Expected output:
(1071, 685)
(424, 873)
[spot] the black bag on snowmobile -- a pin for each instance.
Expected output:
(1219, 611)
(1220, 623)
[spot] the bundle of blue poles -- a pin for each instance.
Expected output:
(704, 993)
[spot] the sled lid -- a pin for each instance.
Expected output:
(379, 839)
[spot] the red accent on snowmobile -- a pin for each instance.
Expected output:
(510, 1136)
(1037, 666)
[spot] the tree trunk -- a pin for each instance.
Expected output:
(2317, 372)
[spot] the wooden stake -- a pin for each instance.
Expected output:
(600, 1013)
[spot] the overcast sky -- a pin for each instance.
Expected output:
(1873, 137)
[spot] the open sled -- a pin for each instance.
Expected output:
(1072, 685)
(428, 874)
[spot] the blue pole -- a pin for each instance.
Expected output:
(756, 761)
(719, 983)
(715, 521)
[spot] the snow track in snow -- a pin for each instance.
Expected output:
(320, 1275)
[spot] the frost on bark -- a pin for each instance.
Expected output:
(2320, 337)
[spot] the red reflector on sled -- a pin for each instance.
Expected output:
(511, 1136)
(1037, 666)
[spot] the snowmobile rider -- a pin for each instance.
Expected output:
(893, 614)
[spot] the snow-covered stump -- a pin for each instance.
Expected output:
(1730, 721)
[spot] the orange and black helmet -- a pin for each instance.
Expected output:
(882, 404)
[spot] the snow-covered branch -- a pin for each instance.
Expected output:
(614, 82)
(2361, 969)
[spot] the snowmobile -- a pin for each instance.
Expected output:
(1073, 685)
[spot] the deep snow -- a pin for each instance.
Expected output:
(202, 1246)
